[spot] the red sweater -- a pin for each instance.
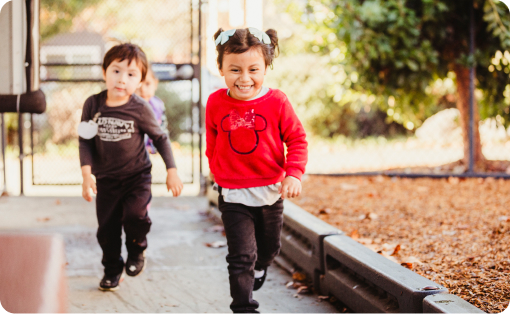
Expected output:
(245, 140)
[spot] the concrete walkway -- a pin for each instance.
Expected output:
(182, 275)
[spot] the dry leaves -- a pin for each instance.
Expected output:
(453, 231)
(298, 283)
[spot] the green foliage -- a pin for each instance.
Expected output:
(397, 50)
(57, 15)
(177, 107)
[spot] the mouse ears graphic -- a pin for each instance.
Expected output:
(243, 132)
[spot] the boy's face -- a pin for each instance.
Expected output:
(148, 87)
(244, 73)
(122, 79)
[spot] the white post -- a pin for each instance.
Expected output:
(13, 35)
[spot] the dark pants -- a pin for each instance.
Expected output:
(122, 203)
(253, 238)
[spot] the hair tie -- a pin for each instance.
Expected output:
(263, 37)
(224, 36)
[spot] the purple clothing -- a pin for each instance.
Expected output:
(158, 107)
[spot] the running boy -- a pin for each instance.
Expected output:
(247, 126)
(116, 155)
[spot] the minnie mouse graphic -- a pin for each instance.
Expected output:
(243, 132)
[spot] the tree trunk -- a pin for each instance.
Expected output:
(462, 74)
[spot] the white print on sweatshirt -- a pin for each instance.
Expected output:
(114, 130)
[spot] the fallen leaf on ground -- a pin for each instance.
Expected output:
(368, 216)
(407, 265)
(396, 250)
(354, 234)
(294, 285)
(325, 211)
(217, 244)
(388, 256)
(303, 290)
(411, 259)
(43, 219)
(299, 276)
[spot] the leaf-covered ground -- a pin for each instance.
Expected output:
(453, 231)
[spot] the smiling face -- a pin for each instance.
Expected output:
(122, 79)
(244, 73)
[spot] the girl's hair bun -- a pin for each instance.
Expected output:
(274, 41)
(243, 40)
(218, 33)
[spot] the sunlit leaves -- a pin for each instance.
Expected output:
(401, 47)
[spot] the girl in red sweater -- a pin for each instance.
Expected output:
(247, 125)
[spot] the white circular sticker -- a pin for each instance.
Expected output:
(87, 130)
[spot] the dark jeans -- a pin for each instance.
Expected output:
(253, 238)
(122, 203)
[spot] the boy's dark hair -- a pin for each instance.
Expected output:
(243, 40)
(127, 51)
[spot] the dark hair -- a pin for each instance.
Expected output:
(151, 73)
(127, 51)
(243, 40)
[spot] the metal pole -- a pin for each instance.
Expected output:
(2, 120)
(191, 96)
(32, 145)
(21, 155)
(202, 179)
(471, 88)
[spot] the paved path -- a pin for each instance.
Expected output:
(182, 275)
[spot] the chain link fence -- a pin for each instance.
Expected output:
(71, 53)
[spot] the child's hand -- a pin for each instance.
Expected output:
(290, 188)
(211, 176)
(88, 184)
(173, 182)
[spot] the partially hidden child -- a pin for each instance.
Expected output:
(247, 126)
(115, 154)
(148, 92)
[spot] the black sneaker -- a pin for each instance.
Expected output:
(260, 281)
(111, 282)
(135, 265)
